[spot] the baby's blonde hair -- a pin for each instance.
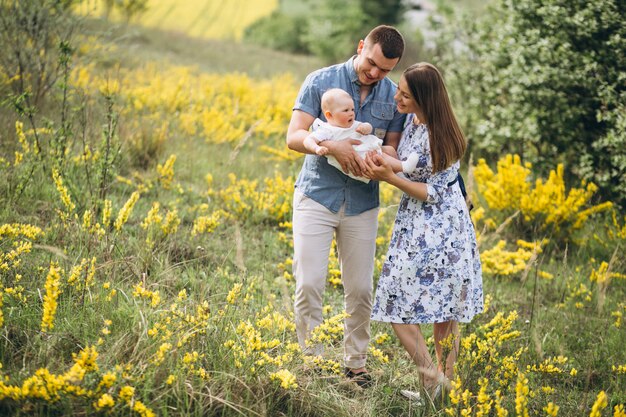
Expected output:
(330, 96)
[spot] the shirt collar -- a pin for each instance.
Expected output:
(354, 78)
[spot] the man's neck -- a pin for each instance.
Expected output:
(364, 91)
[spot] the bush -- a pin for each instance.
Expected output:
(545, 79)
(31, 33)
(279, 31)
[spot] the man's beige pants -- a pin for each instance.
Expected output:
(313, 229)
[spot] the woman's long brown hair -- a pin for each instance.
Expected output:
(447, 142)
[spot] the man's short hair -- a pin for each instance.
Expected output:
(390, 40)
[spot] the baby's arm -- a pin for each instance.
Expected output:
(364, 128)
(311, 144)
(408, 166)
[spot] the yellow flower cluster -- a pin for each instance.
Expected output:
(244, 199)
(234, 293)
(166, 172)
(505, 189)
(64, 194)
(330, 331)
(603, 276)
(139, 291)
(16, 232)
(547, 204)
(285, 377)
(126, 210)
(549, 366)
(500, 261)
(599, 405)
(207, 224)
(483, 349)
(522, 391)
(50, 299)
(21, 138)
(378, 354)
(157, 226)
(86, 268)
(51, 387)
(619, 314)
(326, 365)
(210, 19)
(218, 107)
(620, 369)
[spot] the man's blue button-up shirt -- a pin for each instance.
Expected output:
(322, 182)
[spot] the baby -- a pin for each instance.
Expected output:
(338, 108)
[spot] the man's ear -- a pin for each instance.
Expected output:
(359, 48)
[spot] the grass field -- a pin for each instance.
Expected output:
(146, 270)
(207, 19)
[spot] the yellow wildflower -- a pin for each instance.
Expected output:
(50, 299)
(126, 210)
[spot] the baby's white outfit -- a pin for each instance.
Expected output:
(325, 131)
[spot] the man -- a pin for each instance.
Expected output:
(328, 202)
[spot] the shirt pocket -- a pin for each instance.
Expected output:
(382, 115)
(382, 111)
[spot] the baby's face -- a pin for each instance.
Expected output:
(342, 112)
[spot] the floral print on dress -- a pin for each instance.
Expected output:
(432, 270)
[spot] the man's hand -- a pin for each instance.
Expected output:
(349, 160)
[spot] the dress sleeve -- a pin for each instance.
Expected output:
(438, 183)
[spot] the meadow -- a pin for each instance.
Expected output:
(208, 19)
(145, 257)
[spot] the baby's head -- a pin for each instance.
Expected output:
(338, 107)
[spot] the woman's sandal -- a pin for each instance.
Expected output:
(438, 391)
(415, 397)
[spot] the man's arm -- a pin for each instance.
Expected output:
(298, 130)
(392, 139)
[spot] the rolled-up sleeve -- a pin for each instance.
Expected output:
(309, 96)
(437, 184)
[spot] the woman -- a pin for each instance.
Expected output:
(432, 271)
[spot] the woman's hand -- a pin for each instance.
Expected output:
(377, 167)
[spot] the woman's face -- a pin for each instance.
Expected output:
(405, 101)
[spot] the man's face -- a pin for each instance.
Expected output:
(371, 65)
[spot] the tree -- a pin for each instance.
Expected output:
(545, 79)
(334, 27)
(387, 12)
(31, 35)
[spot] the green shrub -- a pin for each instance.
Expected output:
(279, 31)
(545, 79)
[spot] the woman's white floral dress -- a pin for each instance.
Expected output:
(432, 271)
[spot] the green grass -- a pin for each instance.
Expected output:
(136, 45)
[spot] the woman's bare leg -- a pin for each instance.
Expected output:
(441, 332)
(411, 337)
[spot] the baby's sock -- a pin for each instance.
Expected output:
(409, 165)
